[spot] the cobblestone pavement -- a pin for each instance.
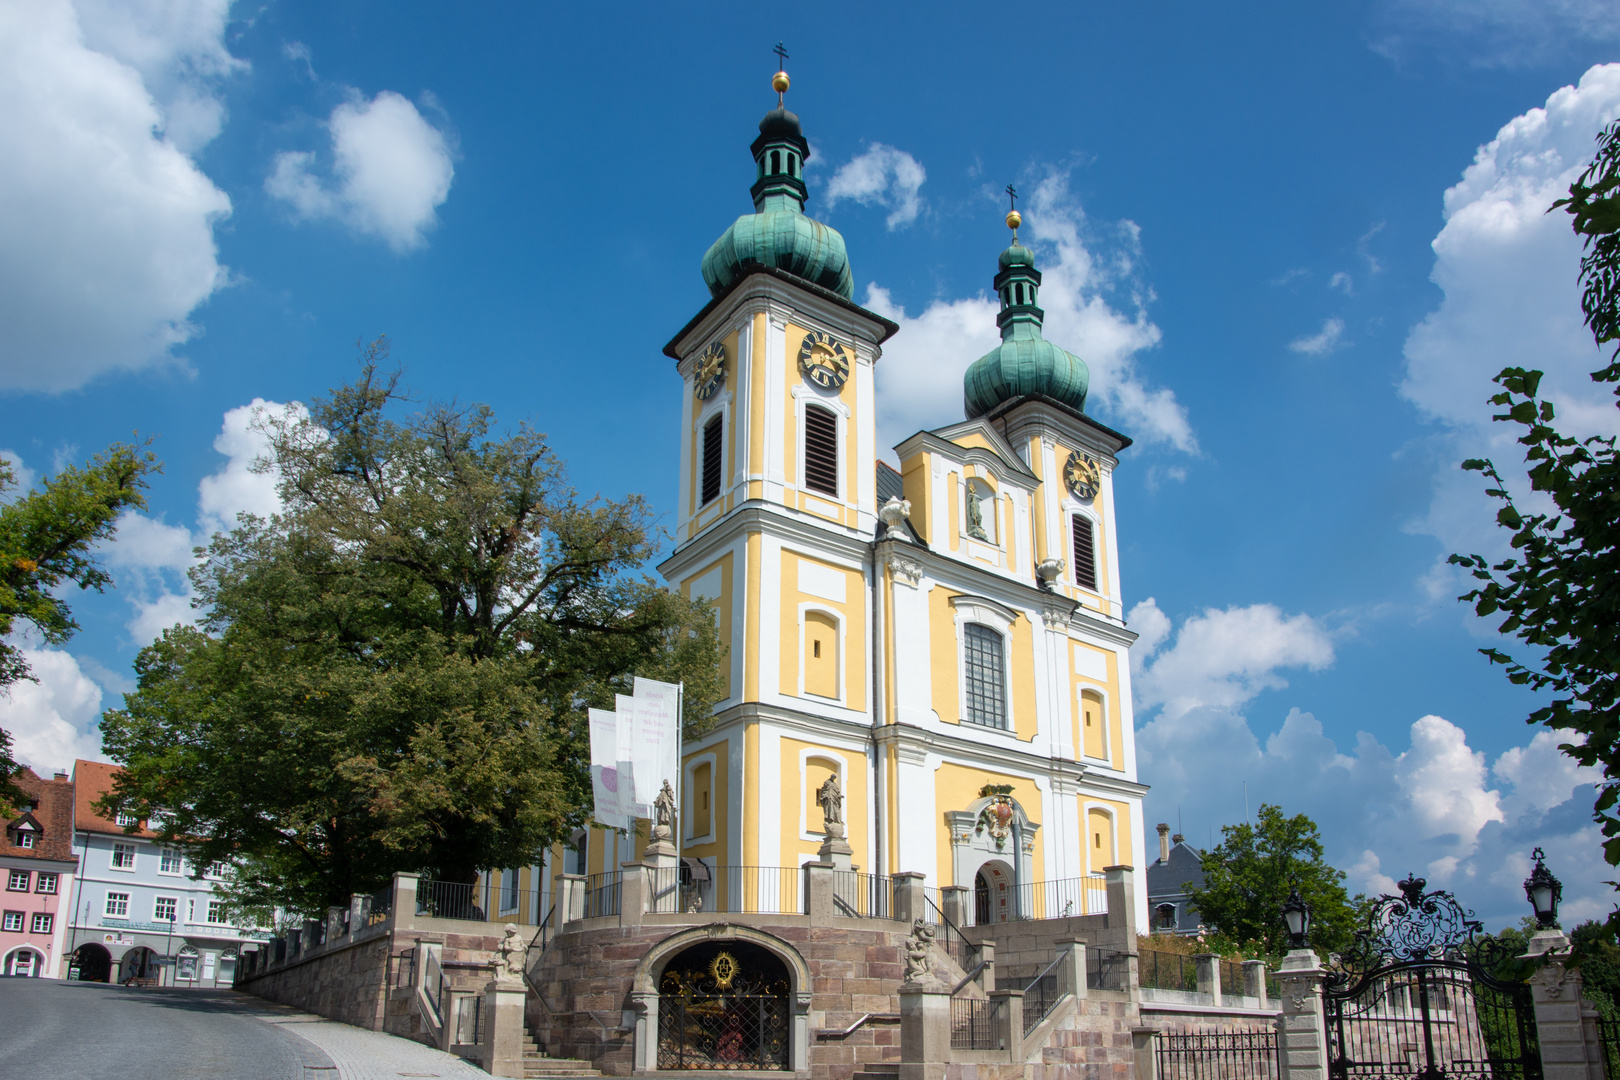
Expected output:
(69, 1030)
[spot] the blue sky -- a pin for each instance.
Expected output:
(1292, 241)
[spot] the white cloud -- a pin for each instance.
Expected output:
(22, 476)
(920, 374)
(883, 176)
(1508, 271)
(1507, 33)
(1223, 658)
(1323, 341)
(239, 486)
(1542, 775)
(106, 226)
(54, 719)
(391, 172)
(1343, 282)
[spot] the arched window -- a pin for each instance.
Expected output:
(816, 772)
(981, 510)
(1100, 839)
(1093, 733)
(983, 655)
(713, 459)
(1164, 917)
(821, 450)
(820, 654)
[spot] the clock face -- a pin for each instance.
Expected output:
(823, 360)
(1083, 475)
(711, 372)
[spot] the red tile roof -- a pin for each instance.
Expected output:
(55, 816)
(92, 780)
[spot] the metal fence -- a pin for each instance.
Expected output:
(1166, 970)
(864, 896)
(978, 1025)
(747, 890)
(449, 900)
(1239, 1055)
(379, 905)
(604, 894)
(1609, 1033)
(469, 1018)
(1231, 977)
(1107, 970)
(1041, 994)
(1060, 898)
(947, 935)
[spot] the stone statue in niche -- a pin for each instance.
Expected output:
(831, 798)
(918, 966)
(975, 515)
(512, 951)
(664, 813)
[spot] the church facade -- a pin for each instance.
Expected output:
(947, 638)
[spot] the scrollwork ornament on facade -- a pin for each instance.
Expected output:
(1552, 977)
(907, 571)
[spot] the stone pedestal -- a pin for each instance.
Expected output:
(835, 850)
(1010, 1013)
(501, 1043)
(910, 898)
(662, 872)
(569, 889)
(953, 904)
(820, 881)
(1304, 1033)
(1254, 981)
(1570, 1046)
(925, 1029)
(1072, 972)
(1209, 976)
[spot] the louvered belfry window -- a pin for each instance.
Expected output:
(986, 685)
(820, 450)
(713, 459)
(1085, 554)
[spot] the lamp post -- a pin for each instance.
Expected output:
(1296, 915)
(1543, 891)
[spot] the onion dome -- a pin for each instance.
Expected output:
(1025, 362)
(777, 233)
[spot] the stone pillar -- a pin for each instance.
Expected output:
(295, 943)
(1146, 1061)
(820, 883)
(1303, 1034)
(662, 870)
(1072, 971)
(925, 1029)
(500, 1046)
(404, 912)
(953, 904)
(357, 913)
(1209, 976)
(1254, 982)
(910, 898)
(1121, 884)
(638, 884)
(334, 923)
(570, 892)
(1570, 1047)
(987, 975)
(312, 933)
(1010, 1011)
(644, 1004)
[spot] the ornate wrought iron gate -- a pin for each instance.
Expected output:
(723, 1006)
(1417, 996)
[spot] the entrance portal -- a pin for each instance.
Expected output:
(723, 1005)
(93, 962)
(139, 965)
(992, 893)
(25, 963)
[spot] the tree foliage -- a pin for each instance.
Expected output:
(47, 540)
(1560, 591)
(1248, 876)
(393, 673)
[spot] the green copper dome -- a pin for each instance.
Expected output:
(778, 234)
(1024, 362)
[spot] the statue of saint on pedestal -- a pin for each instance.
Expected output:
(831, 798)
(664, 813)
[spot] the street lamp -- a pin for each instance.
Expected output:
(1544, 891)
(1296, 914)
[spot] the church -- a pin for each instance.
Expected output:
(946, 640)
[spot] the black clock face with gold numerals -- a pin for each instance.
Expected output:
(823, 360)
(1083, 475)
(711, 371)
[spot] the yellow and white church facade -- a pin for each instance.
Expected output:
(947, 639)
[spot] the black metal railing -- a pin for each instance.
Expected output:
(604, 894)
(1231, 978)
(948, 936)
(1609, 1035)
(978, 1025)
(1060, 898)
(1166, 970)
(449, 900)
(1106, 970)
(379, 905)
(864, 896)
(469, 1018)
(1041, 994)
(744, 890)
(1252, 1055)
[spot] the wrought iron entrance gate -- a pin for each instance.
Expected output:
(1417, 996)
(723, 1005)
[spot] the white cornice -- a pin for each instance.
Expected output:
(764, 291)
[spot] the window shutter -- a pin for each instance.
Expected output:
(820, 450)
(1085, 554)
(713, 459)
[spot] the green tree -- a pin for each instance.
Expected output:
(392, 674)
(1248, 875)
(1560, 591)
(46, 541)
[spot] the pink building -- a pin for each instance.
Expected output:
(37, 865)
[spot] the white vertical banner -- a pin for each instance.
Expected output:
(607, 786)
(658, 736)
(636, 795)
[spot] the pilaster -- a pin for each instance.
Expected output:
(1303, 1034)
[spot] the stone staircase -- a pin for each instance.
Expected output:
(537, 1066)
(876, 1070)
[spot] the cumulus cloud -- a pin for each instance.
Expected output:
(1222, 658)
(1508, 272)
(391, 171)
(241, 485)
(1506, 33)
(1324, 341)
(1095, 307)
(55, 718)
(882, 176)
(106, 226)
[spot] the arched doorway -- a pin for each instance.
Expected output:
(93, 962)
(24, 963)
(724, 1005)
(992, 893)
(138, 965)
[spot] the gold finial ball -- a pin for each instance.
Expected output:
(1014, 219)
(779, 82)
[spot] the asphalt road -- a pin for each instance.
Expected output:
(57, 1030)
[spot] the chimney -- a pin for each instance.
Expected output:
(1178, 838)
(1164, 843)
(60, 776)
